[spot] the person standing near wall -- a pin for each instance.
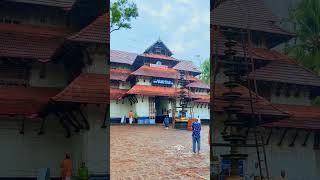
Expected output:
(83, 172)
(166, 122)
(130, 117)
(283, 175)
(66, 168)
(196, 128)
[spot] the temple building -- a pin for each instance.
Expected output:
(53, 86)
(149, 85)
(282, 93)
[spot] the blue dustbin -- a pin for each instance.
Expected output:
(152, 121)
(140, 121)
(146, 121)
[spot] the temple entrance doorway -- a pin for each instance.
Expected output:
(161, 107)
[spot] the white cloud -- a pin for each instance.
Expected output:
(184, 1)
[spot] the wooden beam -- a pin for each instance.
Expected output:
(294, 138)
(106, 115)
(75, 120)
(282, 137)
(306, 138)
(269, 136)
(65, 125)
(84, 119)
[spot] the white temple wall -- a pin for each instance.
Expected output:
(143, 81)
(299, 162)
(99, 65)
(142, 108)
(302, 99)
(24, 154)
(203, 113)
(55, 76)
(117, 110)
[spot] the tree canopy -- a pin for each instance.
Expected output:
(306, 50)
(205, 71)
(121, 14)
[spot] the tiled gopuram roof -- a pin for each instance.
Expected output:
(63, 4)
(24, 101)
(286, 72)
(153, 91)
(192, 78)
(120, 74)
(156, 72)
(116, 94)
(159, 56)
(260, 105)
(29, 42)
(184, 65)
(96, 32)
(201, 98)
(86, 88)
(122, 57)
(246, 14)
(198, 84)
(302, 117)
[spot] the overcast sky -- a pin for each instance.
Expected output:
(183, 25)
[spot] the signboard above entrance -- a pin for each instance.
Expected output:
(158, 65)
(161, 82)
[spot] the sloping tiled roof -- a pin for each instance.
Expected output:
(122, 57)
(302, 117)
(120, 74)
(116, 94)
(251, 14)
(96, 32)
(86, 88)
(153, 91)
(198, 84)
(192, 78)
(186, 66)
(30, 42)
(63, 4)
(201, 98)
(24, 101)
(159, 56)
(267, 54)
(156, 72)
(286, 72)
(260, 105)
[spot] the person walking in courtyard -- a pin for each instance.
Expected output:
(199, 120)
(130, 117)
(66, 168)
(196, 128)
(123, 119)
(283, 175)
(83, 172)
(166, 122)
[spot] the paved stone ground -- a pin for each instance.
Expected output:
(151, 152)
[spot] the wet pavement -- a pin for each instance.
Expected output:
(151, 152)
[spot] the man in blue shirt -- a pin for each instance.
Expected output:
(196, 128)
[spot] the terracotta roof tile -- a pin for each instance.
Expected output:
(302, 117)
(31, 42)
(153, 91)
(63, 4)
(159, 56)
(24, 101)
(156, 72)
(252, 14)
(260, 105)
(201, 98)
(86, 88)
(96, 32)
(192, 78)
(198, 84)
(184, 65)
(120, 74)
(116, 94)
(122, 57)
(286, 72)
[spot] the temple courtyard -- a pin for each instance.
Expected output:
(151, 152)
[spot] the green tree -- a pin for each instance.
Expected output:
(306, 50)
(205, 71)
(121, 14)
